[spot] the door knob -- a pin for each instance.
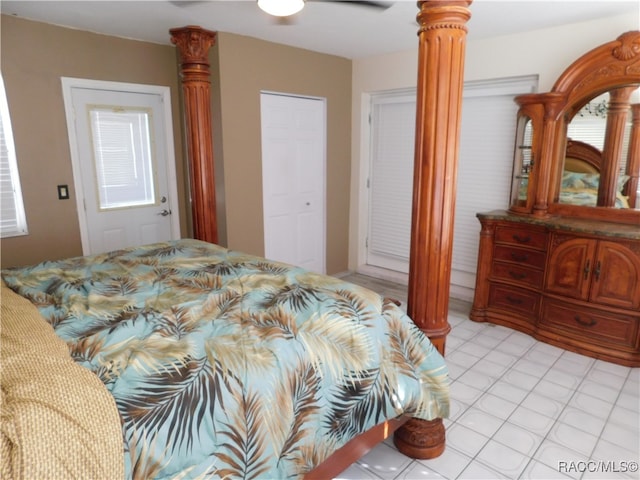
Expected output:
(164, 212)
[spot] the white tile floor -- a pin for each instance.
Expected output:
(520, 409)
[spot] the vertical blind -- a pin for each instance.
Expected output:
(390, 180)
(484, 171)
(12, 216)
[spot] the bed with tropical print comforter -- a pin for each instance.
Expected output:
(227, 365)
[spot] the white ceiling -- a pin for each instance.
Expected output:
(337, 28)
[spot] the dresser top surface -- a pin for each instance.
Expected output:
(568, 224)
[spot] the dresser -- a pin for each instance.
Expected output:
(573, 283)
(562, 262)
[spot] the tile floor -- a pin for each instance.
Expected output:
(520, 409)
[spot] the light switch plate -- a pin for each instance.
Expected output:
(63, 192)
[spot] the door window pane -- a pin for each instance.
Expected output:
(123, 156)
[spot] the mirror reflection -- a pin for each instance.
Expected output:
(601, 166)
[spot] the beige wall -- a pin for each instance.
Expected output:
(246, 67)
(34, 57)
(545, 53)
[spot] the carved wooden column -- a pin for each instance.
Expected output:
(633, 158)
(441, 50)
(613, 142)
(549, 146)
(193, 46)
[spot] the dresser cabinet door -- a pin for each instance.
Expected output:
(569, 267)
(616, 275)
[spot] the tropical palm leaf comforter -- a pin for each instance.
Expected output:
(226, 365)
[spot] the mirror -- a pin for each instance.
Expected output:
(600, 168)
(581, 157)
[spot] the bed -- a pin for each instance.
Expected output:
(223, 364)
(372, 401)
(581, 177)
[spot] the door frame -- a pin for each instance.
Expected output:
(68, 84)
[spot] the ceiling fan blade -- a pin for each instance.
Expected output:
(186, 3)
(360, 3)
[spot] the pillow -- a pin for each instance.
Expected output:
(580, 180)
(574, 180)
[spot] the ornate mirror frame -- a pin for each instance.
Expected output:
(606, 68)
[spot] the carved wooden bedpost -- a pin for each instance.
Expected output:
(193, 46)
(442, 37)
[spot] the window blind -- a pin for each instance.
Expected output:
(484, 171)
(12, 216)
(391, 180)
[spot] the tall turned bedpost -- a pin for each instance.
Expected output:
(193, 46)
(441, 50)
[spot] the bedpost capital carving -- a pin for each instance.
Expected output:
(193, 44)
(443, 14)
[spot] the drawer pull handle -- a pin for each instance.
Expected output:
(587, 269)
(596, 272)
(520, 239)
(517, 275)
(584, 323)
(513, 300)
(519, 257)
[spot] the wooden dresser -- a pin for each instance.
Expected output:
(569, 282)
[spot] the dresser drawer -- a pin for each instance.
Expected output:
(521, 256)
(513, 299)
(515, 273)
(523, 237)
(595, 326)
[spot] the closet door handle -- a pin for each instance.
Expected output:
(596, 272)
(587, 269)
(585, 323)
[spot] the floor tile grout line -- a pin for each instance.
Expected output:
(564, 404)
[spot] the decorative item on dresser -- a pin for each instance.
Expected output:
(563, 262)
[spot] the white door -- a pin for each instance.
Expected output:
(124, 169)
(293, 179)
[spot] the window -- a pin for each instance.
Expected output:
(12, 217)
(123, 156)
